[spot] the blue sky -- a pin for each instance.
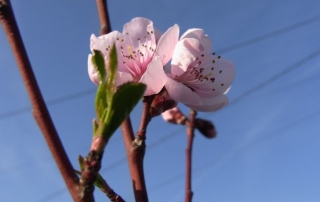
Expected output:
(267, 148)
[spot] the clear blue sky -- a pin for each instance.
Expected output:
(267, 147)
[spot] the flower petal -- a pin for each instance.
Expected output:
(198, 34)
(166, 44)
(223, 73)
(154, 77)
(138, 29)
(123, 77)
(181, 93)
(185, 53)
(93, 73)
(104, 43)
(212, 104)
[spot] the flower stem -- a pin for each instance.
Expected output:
(190, 135)
(40, 111)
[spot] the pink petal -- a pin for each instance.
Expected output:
(154, 77)
(138, 28)
(223, 73)
(181, 93)
(104, 42)
(185, 53)
(167, 42)
(93, 73)
(198, 34)
(212, 104)
(217, 75)
(123, 77)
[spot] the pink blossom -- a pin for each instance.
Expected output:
(141, 56)
(198, 78)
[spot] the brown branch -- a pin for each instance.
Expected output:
(40, 110)
(135, 151)
(146, 117)
(105, 26)
(190, 135)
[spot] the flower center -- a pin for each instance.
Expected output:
(137, 53)
(200, 74)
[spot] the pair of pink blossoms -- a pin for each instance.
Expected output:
(196, 77)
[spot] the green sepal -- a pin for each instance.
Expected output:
(98, 62)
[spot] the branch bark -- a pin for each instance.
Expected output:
(190, 135)
(135, 149)
(40, 110)
(105, 26)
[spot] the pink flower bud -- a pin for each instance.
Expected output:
(174, 116)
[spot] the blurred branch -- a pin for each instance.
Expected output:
(105, 26)
(40, 110)
(190, 135)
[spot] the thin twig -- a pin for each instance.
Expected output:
(113, 196)
(105, 26)
(146, 117)
(190, 135)
(40, 110)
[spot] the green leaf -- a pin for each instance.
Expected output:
(123, 102)
(98, 62)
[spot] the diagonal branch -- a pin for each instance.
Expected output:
(40, 110)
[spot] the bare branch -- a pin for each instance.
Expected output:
(105, 26)
(40, 110)
(190, 135)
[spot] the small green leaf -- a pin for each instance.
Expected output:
(124, 100)
(98, 62)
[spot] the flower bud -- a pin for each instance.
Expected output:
(206, 128)
(174, 116)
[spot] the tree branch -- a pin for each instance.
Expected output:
(105, 26)
(190, 134)
(40, 110)
(135, 152)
